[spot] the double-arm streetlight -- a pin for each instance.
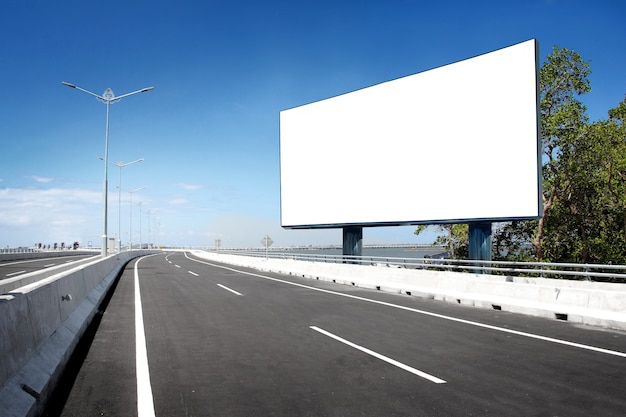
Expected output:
(107, 98)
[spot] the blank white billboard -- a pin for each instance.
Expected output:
(453, 144)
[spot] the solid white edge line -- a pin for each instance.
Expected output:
(145, 400)
(428, 313)
(228, 289)
(381, 357)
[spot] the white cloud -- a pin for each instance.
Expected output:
(44, 180)
(30, 216)
(178, 201)
(190, 187)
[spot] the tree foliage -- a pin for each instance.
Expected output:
(455, 237)
(562, 78)
(583, 175)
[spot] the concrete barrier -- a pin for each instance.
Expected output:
(41, 324)
(593, 303)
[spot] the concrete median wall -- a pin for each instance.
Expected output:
(41, 324)
(594, 303)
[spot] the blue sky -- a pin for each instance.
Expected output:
(222, 72)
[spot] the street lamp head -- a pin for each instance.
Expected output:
(143, 90)
(108, 94)
(68, 84)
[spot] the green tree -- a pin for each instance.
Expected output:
(562, 78)
(455, 237)
(512, 241)
(616, 176)
(587, 222)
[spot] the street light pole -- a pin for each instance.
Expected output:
(121, 165)
(140, 204)
(107, 98)
(131, 214)
(157, 227)
(150, 240)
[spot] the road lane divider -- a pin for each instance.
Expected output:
(145, 400)
(193, 273)
(377, 355)
(177, 266)
(228, 289)
(14, 273)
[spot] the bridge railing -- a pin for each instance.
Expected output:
(17, 250)
(572, 271)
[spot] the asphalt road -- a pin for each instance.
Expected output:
(11, 269)
(227, 341)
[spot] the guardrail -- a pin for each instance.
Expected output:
(51, 250)
(18, 250)
(572, 271)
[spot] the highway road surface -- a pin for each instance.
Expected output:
(186, 337)
(11, 269)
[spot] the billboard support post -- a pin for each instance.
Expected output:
(480, 243)
(352, 241)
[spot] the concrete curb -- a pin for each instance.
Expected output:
(585, 302)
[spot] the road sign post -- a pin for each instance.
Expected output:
(267, 241)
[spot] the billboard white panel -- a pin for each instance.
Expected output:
(456, 143)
